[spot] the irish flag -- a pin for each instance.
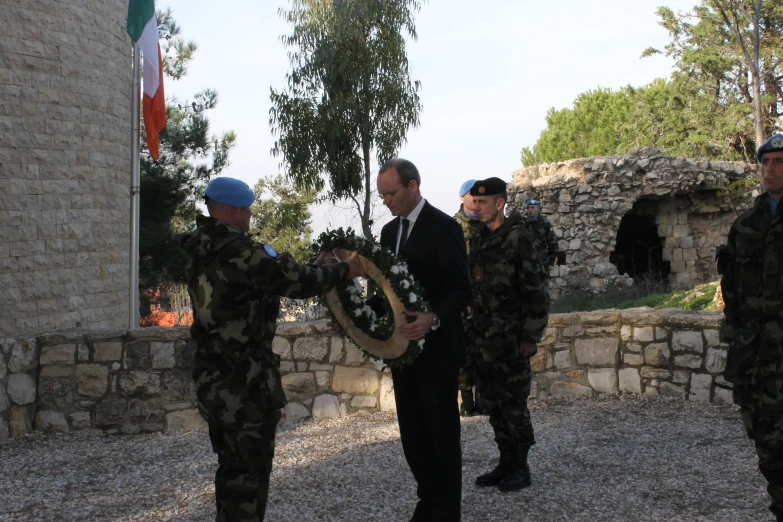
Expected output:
(143, 28)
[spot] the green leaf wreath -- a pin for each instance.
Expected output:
(353, 295)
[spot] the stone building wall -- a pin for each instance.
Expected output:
(600, 206)
(139, 381)
(65, 104)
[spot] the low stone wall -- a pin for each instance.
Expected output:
(139, 381)
(644, 351)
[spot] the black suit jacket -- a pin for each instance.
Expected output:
(435, 253)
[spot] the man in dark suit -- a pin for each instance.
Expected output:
(432, 243)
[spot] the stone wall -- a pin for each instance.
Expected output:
(644, 351)
(139, 381)
(586, 200)
(65, 84)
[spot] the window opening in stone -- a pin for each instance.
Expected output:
(561, 258)
(639, 249)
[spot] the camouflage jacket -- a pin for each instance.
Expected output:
(752, 285)
(470, 227)
(235, 286)
(545, 240)
(509, 299)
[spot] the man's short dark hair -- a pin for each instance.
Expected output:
(406, 170)
(503, 196)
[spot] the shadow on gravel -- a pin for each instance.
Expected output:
(602, 459)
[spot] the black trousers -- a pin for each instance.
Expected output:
(426, 397)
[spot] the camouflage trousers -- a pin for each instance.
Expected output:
(244, 464)
(763, 423)
(505, 387)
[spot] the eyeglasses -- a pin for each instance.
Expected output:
(383, 195)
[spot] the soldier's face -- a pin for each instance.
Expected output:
(398, 198)
(488, 208)
(533, 210)
(469, 203)
(772, 173)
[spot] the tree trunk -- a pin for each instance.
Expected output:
(367, 211)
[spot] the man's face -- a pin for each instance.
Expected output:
(487, 208)
(469, 203)
(399, 199)
(533, 210)
(772, 172)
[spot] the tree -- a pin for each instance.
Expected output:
(589, 129)
(732, 54)
(348, 94)
(281, 216)
(605, 122)
(170, 187)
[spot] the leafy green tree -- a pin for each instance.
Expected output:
(589, 129)
(731, 51)
(348, 94)
(604, 122)
(170, 188)
(281, 216)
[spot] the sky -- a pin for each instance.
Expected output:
(489, 71)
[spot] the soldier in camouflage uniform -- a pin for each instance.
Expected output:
(543, 236)
(509, 318)
(752, 268)
(235, 286)
(468, 220)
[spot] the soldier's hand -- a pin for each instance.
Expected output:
(325, 258)
(355, 268)
(527, 349)
(419, 327)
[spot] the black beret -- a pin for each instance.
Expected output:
(488, 187)
(773, 144)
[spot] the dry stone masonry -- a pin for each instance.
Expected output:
(643, 351)
(65, 83)
(639, 215)
(139, 381)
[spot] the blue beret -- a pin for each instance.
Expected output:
(488, 187)
(532, 202)
(231, 192)
(465, 187)
(773, 144)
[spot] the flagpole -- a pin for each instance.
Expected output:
(133, 257)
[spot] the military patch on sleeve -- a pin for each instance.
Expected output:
(270, 251)
(478, 275)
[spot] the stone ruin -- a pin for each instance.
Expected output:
(641, 215)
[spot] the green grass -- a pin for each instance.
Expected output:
(646, 293)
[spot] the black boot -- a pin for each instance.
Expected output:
(467, 409)
(494, 477)
(519, 475)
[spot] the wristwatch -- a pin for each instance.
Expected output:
(435, 322)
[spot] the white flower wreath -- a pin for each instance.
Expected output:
(376, 334)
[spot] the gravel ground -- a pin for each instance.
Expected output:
(622, 458)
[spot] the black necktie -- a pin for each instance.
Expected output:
(403, 236)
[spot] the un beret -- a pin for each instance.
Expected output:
(532, 202)
(231, 192)
(465, 187)
(488, 187)
(773, 144)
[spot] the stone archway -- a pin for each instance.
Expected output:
(639, 249)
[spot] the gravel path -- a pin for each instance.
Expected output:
(622, 458)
